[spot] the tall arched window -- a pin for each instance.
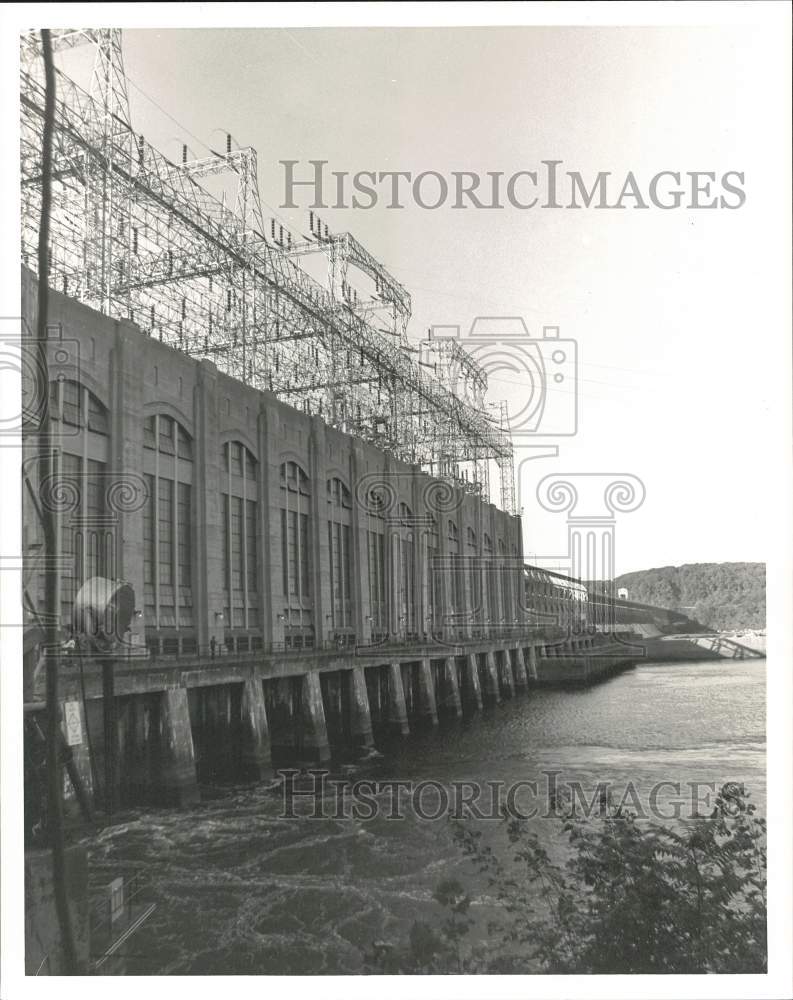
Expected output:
(339, 503)
(433, 576)
(85, 535)
(375, 550)
(240, 545)
(490, 601)
(505, 582)
(454, 575)
(404, 563)
(296, 557)
(513, 574)
(167, 535)
(474, 574)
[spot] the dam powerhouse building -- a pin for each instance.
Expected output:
(281, 524)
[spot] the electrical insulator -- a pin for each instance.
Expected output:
(184, 154)
(228, 143)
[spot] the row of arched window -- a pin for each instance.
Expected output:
(395, 544)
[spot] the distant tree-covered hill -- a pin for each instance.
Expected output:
(720, 595)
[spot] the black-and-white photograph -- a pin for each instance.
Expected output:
(397, 420)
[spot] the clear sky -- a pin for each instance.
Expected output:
(673, 312)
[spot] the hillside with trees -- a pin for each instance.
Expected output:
(720, 595)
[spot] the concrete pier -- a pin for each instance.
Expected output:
(178, 770)
(519, 662)
(474, 688)
(506, 678)
(398, 715)
(451, 701)
(531, 666)
(255, 749)
(491, 689)
(360, 716)
(314, 740)
(228, 718)
(427, 706)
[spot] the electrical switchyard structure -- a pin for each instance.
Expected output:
(142, 238)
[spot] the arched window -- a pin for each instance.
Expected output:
(474, 574)
(455, 571)
(404, 563)
(240, 545)
(513, 574)
(433, 581)
(85, 535)
(490, 599)
(505, 582)
(375, 550)
(339, 503)
(296, 556)
(167, 436)
(168, 535)
(73, 404)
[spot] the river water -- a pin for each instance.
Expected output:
(241, 890)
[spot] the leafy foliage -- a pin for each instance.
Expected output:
(632, 898)
(720, 595)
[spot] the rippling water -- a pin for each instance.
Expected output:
(239, 890)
